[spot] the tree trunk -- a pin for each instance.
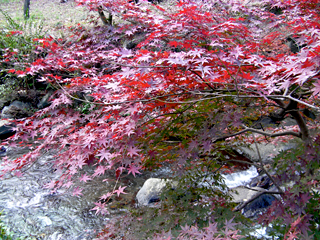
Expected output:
(292, 109)
(26, 8)
(105, 20)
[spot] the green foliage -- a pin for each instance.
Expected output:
(197, 196)
(300, 207)
(17, 47)
(20, 36)
(7, 88)
(4, 233)
(8, 1)
(313, 208)
(84, 108)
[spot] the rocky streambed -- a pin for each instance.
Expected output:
(34, 212)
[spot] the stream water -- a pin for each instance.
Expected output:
(33, 212)
(240, 178)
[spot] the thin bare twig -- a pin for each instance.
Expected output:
(295, 134)
(263, 168)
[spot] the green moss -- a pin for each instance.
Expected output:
(8, 1)
(4, 232)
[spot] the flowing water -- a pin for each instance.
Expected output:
(240, 178)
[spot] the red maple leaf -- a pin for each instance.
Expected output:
(99, 170)
(134, 169)
(77, 191)
(316, 89)
(51, 184)
(84, 178)
(133, 109)
(104, 154)
(119, 191)
(100, 208)
(132, 151)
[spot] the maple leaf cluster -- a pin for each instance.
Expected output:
(200, 74)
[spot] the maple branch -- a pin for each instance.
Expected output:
(202, 79)
(274, 97)
(123, 102)
(134, 66)
(166, 114)
(286, 133)
(292, 108)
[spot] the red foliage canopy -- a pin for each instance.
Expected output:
(195, 73)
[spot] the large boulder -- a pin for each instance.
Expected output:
(267, 151)
(16, 110)
(255, 199)
(242, 194)
(151, 191)
(6, 132)
(258, 206)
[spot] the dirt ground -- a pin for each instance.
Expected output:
(54, 14)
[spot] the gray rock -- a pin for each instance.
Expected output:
(258, 206)
(16, 110)
(252, 202)
(29, 209)
(45, 221)
(151, 190)
(242, 194)
(44, 102)
(4, 122)
(263, 123)
(261, 181)
(267, 151)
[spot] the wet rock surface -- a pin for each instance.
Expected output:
(17, 110)
(6, 131)
(32, 211)
(258, 206)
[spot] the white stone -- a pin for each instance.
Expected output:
(151, 189)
